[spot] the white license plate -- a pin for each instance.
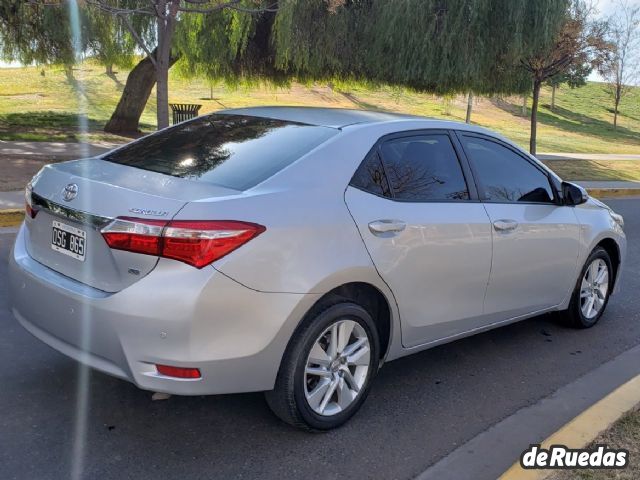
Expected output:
(68, 240)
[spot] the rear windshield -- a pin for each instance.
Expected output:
(234, 151)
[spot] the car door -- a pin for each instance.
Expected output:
(426, 231)
(535, 237)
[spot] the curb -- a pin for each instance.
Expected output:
(11, 217)
(584, 428)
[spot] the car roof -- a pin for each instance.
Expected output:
(343, 117)
(325, 117)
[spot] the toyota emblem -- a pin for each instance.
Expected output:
(70, 192)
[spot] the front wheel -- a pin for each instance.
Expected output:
(327, 370)
(592, 290)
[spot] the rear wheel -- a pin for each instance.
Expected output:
(327, 370)
(592, 290)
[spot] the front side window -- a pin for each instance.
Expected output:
(505, 175)
(424, 168)
(234, 151)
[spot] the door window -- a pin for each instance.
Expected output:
(506, 176)
(423, 168)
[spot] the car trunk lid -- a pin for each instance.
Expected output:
(74, 200)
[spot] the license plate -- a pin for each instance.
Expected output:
(69, 240)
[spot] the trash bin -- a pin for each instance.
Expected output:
(184, 111)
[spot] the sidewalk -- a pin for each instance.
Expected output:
(11, 200)
(53, 150)
(587, 156)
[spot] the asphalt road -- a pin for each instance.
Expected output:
(421, 407)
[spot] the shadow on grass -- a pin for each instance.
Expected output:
(360, 104)
(115, 79)
(47, 119)
(574, 122)
(50, 126)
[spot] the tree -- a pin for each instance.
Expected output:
(578, 44)
(437, 46)
(34, 33)
(622, 68)
(108, 41)
(165, 15)
(574, 77)
(445, 47)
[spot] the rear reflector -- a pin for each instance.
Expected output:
(178, 372)
(196, 242)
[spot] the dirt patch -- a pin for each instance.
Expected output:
(625, 433)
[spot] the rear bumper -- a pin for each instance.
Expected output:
(176, 315)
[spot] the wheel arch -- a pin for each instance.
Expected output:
(613, 249)
(371, 298)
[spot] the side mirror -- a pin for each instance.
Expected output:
(573, 194)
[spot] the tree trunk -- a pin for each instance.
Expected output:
(534, 116)
(553, 97)
(125, 120)
(469, 107)
(524, 105)
(616, 106)
(109, 69)
(162, 93)
(165, 27)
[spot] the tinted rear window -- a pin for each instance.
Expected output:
(234, 151)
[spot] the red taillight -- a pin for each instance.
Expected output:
(197, 243)
(28, 203)
(178, 372)
(30, 211)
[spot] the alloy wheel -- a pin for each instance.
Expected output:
(594, 288)
(337, 367)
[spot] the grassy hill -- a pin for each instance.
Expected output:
(42, 104)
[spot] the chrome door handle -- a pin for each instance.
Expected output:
(382, 227)
(505, 225)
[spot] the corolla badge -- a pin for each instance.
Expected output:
(70, 192)
(149, 211)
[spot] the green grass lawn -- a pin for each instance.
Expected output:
(42, 104)
(614, 170)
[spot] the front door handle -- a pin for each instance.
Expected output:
(387, 227)
(503, 225)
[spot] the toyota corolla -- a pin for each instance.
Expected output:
(294, 250)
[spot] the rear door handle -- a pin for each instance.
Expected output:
(503, 225)
(387, 227)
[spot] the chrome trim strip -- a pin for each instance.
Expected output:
(94, 221)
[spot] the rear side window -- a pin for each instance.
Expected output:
(423, 168)
(370, 176)
(234, 151)
(506, 176)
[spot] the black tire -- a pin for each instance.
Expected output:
(287, 400)
(574, 316)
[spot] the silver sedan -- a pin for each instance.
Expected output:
(294, 250)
